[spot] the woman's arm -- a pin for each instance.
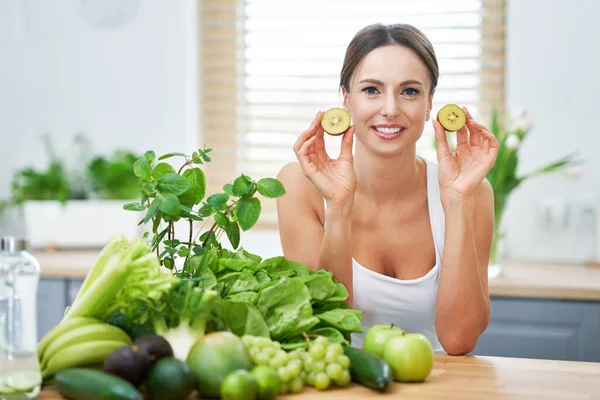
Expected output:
(462, 305)
(316, 177)
(303, 237)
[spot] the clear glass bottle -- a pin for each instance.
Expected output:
(19, 279)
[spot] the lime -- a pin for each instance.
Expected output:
(239, 385)
(268, 382)
(170, 379)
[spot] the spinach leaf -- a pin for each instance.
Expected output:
(286, 308)
(344, 320)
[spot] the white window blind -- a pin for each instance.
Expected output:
(267, 66)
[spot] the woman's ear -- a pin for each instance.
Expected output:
(345, 97)
(429, 107)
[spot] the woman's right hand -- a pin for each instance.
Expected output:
(335, 179)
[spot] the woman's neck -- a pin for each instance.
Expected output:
(386, 179)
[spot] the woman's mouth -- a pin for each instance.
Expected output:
(388, 132)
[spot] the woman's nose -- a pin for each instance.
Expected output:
(391, 108)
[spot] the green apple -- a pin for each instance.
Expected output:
(376, 337)
(410, 356)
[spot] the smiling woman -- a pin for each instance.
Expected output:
(268, 66)
(408, 237)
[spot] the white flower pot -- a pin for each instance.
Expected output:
(79, 223)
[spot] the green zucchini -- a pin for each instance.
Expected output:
(91, 384)
(368, 370)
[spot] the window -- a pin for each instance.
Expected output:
(267, 66)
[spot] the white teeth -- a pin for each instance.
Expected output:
(388, 131)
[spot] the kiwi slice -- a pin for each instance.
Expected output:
(452, 117)
(335, 121)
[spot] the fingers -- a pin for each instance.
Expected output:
(475, 136)
(305, 153)
(311, 131)
(443, 148)
(462, 136)
(486, 138)
(347, 142)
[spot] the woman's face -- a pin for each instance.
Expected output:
(389, 99)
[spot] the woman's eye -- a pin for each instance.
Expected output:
(371, 90)
(411, 92)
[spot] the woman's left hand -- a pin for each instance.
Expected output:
(461, 171)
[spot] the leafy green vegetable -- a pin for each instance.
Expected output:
(220, 289)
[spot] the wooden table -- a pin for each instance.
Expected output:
(474, 377)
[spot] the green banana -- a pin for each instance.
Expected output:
(63, 327)
(85, 333)
(80, 355)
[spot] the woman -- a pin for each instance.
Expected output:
(410, 239)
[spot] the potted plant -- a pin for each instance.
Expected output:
(504, 177)
(79, 206)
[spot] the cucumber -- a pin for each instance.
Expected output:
(91, 384)
(368, 370)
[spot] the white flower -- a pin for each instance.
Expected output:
(573, 172)
(512, 141)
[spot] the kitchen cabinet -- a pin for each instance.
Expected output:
(51, 303)
(542, 329)
(54, 295)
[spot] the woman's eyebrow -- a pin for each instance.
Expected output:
(403, 83)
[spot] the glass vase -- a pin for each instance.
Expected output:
(497, 255)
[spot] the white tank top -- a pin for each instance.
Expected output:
(408, 304)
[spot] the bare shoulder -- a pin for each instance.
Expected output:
(300, 190)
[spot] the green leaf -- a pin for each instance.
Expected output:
(197, 181)
(168, 263)
(156, 224)
(221, 220)
(320, 285)
(242, 186)
(134, 207)
(169, 155)
(245, 297)
(141, 168)
(228, 188)
(270, 187)
(183, 252)
(241, 318)
(233, 233)
(150, 156)
(162, 169)
(206, 210)
(169, 204)
(342, 320)
(173, 183)
(152, 210)
(204, 154)
(218, 200)
(245, 282)
(286, 308)
(248, 211)
(196, 159)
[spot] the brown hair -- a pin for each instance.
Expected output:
(377, 35)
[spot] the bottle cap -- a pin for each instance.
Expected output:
(11, 244)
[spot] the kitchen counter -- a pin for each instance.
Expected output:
(519, 278)
(474, 377)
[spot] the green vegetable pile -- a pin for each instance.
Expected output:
(214, 288)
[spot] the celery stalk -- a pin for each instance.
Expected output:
(115, 243)
(99, 297)
(100, 294)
